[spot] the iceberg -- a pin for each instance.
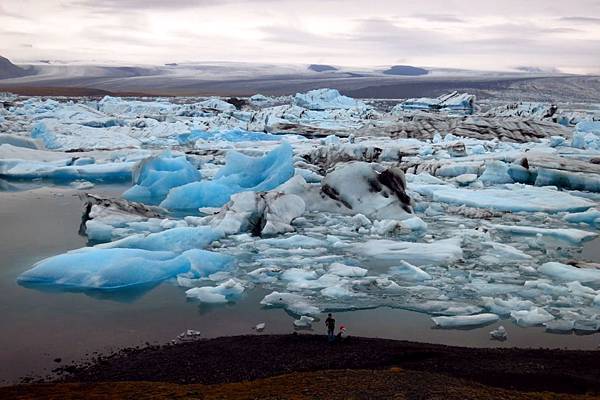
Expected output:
(262, 213)
(360, 189)
(465, 321)
(574, 236)
(515, 199)
(452, 102)
(408, 272)
(326, 99)
(496, 172)
(441, 252)
(569, 273)
(590, 217)
(233, 135)
(240, 174)
(107, 269)
(66, 171)
(155, 176)
(533, 317)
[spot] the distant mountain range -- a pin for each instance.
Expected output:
(220, 78)
(10, 70)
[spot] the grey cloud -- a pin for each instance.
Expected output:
(581, 20)
(440, 18)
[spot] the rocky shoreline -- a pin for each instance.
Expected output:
(228, 360)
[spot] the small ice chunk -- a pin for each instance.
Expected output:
(82, 185)
(465, 179)
(188, 335)
(292, 302)
(499, 334)
(408, 272)
(223, 293)
(304, 322)
(346, 270)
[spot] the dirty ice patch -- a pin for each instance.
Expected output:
(240, 174)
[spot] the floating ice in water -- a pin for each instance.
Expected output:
(82, 185)
(503, 253)
(441, 252)
(223, 293)
(294, 303)
(326, 99)
(176, 239)
(155, 176)
(505, 307)
(241, 173)
(451, 102)
(92, 268)
(408, 272)
(66, 170)
(346, 270)
(134, 260)
(304, 322)
(535, 316)
(566, 234)
(265, 214)
(463, 321)
(260, 327)
(499, 334)
(295, 242)
(496, 172)
(465, 179)
(517, 198)
(363, 190)
(233, 135)
(586, 327)
(559, 326)
(188, 335)
(590, 217)
(565, 272)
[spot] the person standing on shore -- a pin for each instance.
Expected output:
(330, 324)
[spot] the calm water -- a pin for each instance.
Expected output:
(38, 326)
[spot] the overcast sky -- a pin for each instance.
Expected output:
(474, 34)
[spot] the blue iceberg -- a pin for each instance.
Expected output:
(240, 174)
(155, 176)
(134, 261)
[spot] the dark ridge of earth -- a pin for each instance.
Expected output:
(383, 384)
(321, 68)
(405, 70)
(243, 358)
